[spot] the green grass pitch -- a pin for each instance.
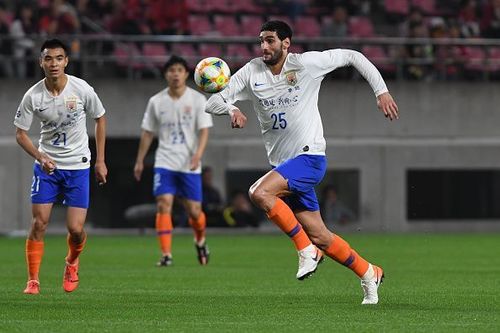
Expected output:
(434, 283)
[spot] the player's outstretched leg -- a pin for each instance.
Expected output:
(34, 254)
(164, 233)
(199, 229)
(371, 276)
(309, 259)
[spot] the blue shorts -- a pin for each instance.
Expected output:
(73, 185)
(303, 173)
(182, 184)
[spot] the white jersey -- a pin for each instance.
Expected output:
(287, 104)
(176, 123)
(63, 134)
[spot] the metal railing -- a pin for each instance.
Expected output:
(108, 55)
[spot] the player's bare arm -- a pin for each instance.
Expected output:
(101, 171)
(22, 138)
(388, 106)
(238, 118)
(144, 144)
(202, 144)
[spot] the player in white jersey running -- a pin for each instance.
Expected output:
(62, 103)
(283, 88)
(177, 116)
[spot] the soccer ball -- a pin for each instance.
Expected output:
(212, 75)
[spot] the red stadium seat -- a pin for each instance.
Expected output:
(200, 25)
(250, 25)
(210, 50)
(474, 58)
(237, 55)
(128, 55)
(427, 6)
(188, 52)
(243, 6)
(156, 53)
(195, 6)
(494, 59)
(397, 7)
(379, 57)
(360, 26)
(226, 25)
(307, 26)
(218, 6)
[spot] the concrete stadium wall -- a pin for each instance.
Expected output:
(442, 125)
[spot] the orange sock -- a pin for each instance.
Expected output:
(340, 251)
(74, 250)
(164, 232)
(283, 217)
(34, 254)
(199, 227)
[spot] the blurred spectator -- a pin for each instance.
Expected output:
(333, 210)
(212, 202)
(61, 19)
(415, 17)
(21, 29)
(293, 8)
(5, 44)
(98, 11)
(419, 56)
(168, 17)
(240, 212)
(490, 21)
(127, 18)
(468, 19)
(337, 25)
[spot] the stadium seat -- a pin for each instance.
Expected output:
(210, 50)
(283, 18)
(128, 56)
(360, 26)
(427, 6)
(379, 57)
(195, 6)
(155, 53)
(307, 26)
(217, 6)
(187, 51)
(474, 59)
(200, 25)
(226, 25)
(237, 55)
(397, 7)
(245, 7)
(250, 25)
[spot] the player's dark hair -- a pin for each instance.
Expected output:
(282, 29)
(54, 44)
(175, 60)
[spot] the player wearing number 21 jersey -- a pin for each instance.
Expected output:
(61, 103)
(283, 88)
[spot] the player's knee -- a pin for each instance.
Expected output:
(76, 231)
(194, 212)
(258, 195)
(39, 224)
(163, 207)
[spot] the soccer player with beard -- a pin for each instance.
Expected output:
(283, 88)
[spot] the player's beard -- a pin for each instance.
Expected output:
(275, 58)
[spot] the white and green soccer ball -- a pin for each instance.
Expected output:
(212, 75)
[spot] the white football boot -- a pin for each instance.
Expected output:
(370, 285)
(309, 259)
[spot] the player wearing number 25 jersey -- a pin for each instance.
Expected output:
(61, 103)
(284, 88)
(177, 116)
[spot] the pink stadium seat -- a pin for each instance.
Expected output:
(156, 53)
(250, 25)
(226, 25)
(210, 50)
(360, 26)
(243, 6)
(195, 6)
(379, 57)
(398, 7)
(237, 55)
(219, 6)
(128, 55)
(187, 51)
(307, 26)
(427, 6)
(283, 18)
(200, 25)
(474, 58)
(494, 59)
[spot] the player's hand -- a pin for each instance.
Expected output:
(195, 162)
(138, 168)
(386, 104)
(47, 164)
(238, 119)
(101, 172)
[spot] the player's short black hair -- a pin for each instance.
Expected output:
(54, 44)
(282, 29)
(175, 60)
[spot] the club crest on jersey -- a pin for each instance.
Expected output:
(291, 78)
(187, 110)
(70, 103)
